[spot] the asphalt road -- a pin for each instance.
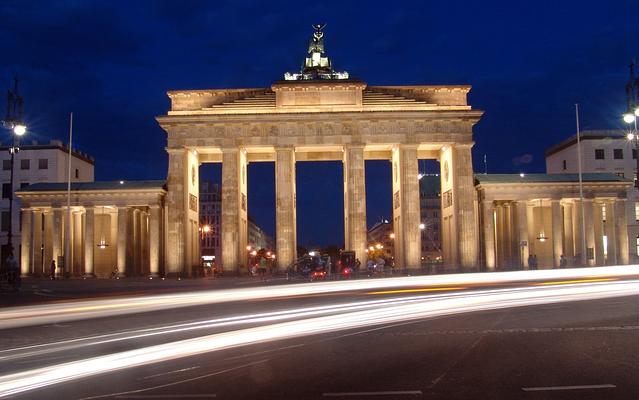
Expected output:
(566, 349)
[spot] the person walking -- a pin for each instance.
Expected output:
(535, 261)
(13, 270)
(52, 268)
(531, 262)
(563, 261)
(262, 268)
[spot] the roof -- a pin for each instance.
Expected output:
(586, 135)
(547, 178)
(93, 186)
(53, 145)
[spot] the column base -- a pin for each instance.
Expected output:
(88, 276)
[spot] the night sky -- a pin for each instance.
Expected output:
(111, 63)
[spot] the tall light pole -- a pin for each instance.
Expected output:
(632, 113)
(13, 121)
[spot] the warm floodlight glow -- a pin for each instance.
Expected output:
(629, 118)
(630, 136)
(422, 226)
(392, 236)
(521, 175)
(206, 228)
(19, 129)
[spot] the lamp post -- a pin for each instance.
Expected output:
(632, 113)
(13, 122)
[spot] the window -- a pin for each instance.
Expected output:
(43, 163)
(617, 154)
(25, 164)
(563, 164)
(620, 174)
(6, 165)
(4, 223)
(24, 185)
(599, 154)
(6, 190)
(634, 154)
(637, 211)
(77, 173)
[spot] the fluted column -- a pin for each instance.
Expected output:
(135, 242)
(590, 233)
(522, 233)
(406, 208)
(598, 228)
(463, 197)
(501, 238)
(89, 241)
(123, 238)
(56, 241)
(532, 231)
(579, 239)
(611, 233)
(234, 210)
(488, 212)
(557, 233)
(622, 231)
(154, 241)
(27, 243)
(285, 207)
(569, 245)
(355, 201)
(76, 218)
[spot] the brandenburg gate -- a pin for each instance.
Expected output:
(314, 115)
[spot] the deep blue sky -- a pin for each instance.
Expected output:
(111, 62)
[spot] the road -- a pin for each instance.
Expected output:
(540, 336)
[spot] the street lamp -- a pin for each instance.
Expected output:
(632, 113)
(13, 122)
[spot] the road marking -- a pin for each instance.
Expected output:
(574, 281)
(133, 392)
(439, 289)
(168, 396)
(170, 372)
(577, 387)
(384, 393)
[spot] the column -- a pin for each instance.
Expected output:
(622, 231)
(234, 206)
(611, 233)
(557, 232)
(522, 233)
(579, 239)
(464, 198)
(598, 228)
(285, 207)
(508, 237)
(355, 201)
(406, 207)
(144, 243)
(499, 229)
(488, 212)
(569, 245)
(27, 243)
(122, 243)
(37, 243)
(56, 241)
(590, 233)
(136, 242)
(76, 236)
(154, 241)
(89, 241)
(532, 231)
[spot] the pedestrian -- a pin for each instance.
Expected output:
(563, 261)
(535, 261)
(262, 268)
(13, 270)
(52, 268)
(531, 262)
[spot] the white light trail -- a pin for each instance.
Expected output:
(56, 313)
(426, 308)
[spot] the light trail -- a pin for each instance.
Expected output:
(439, 289)
(56, 313)
(426, 308)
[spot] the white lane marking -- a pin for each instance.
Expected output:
(168, 396)
(384, 393)
(576, 387)
(132, 392)
(170, 372)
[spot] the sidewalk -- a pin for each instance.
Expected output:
(42, 290)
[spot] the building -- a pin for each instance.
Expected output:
(321, 115)
(540, 214)
(37, 163)
(602, 151)
(210, 215)
(431, 211)
(382, 234)
(113, 224)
